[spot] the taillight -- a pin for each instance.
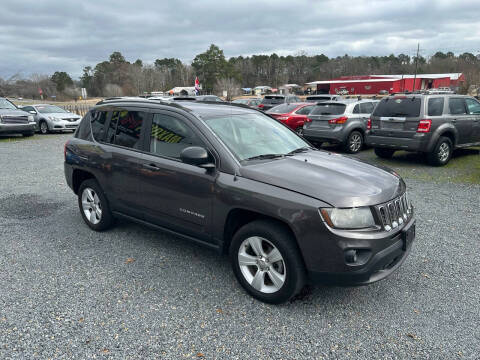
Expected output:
(424, 126)
(308, 119)
(340, 120)
(260, 106)
(369, 124)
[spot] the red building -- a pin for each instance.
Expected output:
(379, 84)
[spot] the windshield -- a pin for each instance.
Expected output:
(328, 109)
(49, 109)
(5, 104)
(318, 98)
(273, 100)
(253, 134)
(282, 109)
(398, 107)
(240, 101)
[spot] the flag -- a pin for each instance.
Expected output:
(197, 85)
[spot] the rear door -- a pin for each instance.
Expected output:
(125, 144)
(397, 117)
(473, 107)
(323, 112)
(461, 119)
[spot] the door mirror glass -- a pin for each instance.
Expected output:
(196, 155)
(32, 112)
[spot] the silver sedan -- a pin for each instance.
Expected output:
(51, 118)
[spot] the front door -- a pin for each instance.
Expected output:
(176, 195)
(473, 107)
(461, 119)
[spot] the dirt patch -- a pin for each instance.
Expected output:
(27, 206)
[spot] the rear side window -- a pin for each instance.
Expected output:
(457, 106)
(125, 128)
(282, 109)
(170, 135)
(98, 119)
(328, 109)
(473, 106)
(356, 109)
(398, 107)
(273, 100)
(83, 132)
(435, 106)
(366, 108)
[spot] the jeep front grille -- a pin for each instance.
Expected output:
(394, 213)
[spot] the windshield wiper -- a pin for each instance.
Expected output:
(265, 156)
(300, 150)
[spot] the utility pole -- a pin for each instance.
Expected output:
(416, 62)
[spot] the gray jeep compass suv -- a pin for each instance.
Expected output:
(430, 124)
(341, 122)
(240, 182)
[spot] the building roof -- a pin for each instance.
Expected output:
(453, 76)
(349, 81)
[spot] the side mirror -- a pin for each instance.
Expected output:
(33, 112)
(198, 156)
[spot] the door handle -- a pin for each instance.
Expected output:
(151, 167)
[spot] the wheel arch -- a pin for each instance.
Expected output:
(78, 177)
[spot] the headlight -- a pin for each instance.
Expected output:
(30, 118)
(53, 118)
(351, 218)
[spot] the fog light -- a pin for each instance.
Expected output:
(351, 256)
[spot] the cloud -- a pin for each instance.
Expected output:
(46, 36)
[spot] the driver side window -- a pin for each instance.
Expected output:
(169, 136)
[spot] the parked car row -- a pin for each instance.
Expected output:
(433, 124)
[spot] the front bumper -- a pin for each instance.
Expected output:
(63, 125)
(17, 128)
(417, 143)
(332, 135)
(376, 262)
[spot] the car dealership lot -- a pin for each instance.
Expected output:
(134, 292)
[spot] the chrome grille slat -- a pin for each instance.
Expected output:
(394, 212)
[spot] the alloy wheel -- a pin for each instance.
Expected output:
(443, 152)
(262, 265)
(355, 142)
(91, 206)
(43, 127)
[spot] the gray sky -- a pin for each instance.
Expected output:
(45, 36)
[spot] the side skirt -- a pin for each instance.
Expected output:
(215, 247)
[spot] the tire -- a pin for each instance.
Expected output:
(43, 127)
(28, 134)
(441, 153)
(354, 142)
(92, 202)
(279, 280)
(384, 153)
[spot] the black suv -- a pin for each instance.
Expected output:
(238, 181)
(430, 124)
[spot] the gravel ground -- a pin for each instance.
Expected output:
(68, 292)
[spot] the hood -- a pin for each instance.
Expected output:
(13, 112)
(63, 115)
(339, 180)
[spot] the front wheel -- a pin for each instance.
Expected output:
(442, 152)
(267, 262)
(299, 130)
(354, 142)
(43, 127)
(94, 206)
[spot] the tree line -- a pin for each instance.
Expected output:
(119, 77)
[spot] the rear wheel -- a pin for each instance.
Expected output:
(267, 262)
(299, 130)
(43, 127)
(442, 152)
(94, 206)
(384, 153)
(354, 142)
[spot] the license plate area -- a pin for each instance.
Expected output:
(387, 125)
(408, 235)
